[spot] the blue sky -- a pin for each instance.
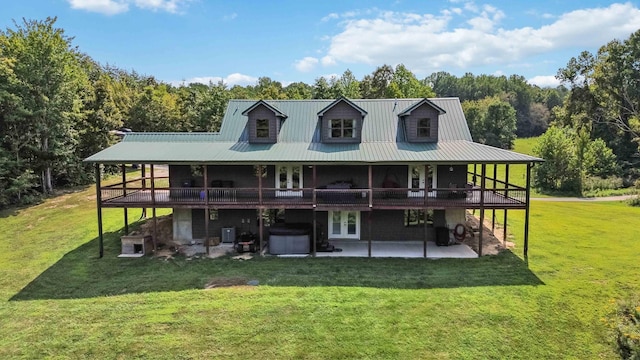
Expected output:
(238, 41)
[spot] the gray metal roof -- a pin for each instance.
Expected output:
(298, 140)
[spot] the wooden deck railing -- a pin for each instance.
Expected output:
(134, 193)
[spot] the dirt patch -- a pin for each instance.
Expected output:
(218, 282)
(492, 243)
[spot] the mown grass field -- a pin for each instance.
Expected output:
(58, 300)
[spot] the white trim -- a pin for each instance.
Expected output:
(344, 231)
(291, 190)
(422, 180)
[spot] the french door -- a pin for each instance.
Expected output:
(417, 179)
(344, 225)
(289, 180)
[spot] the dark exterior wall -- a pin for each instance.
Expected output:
(226, 218)
(458, 176)
(262, 112)
(243, 176)
(342, 110)
(178, 174)
(411, 123)
(386, 225)
(331, 173)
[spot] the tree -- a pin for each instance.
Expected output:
(491, 121)
(156, 110)
(346, 85)
(605, 94)
(50, 79)
(560, 169)
(404, 84)
(599, 160)
(321, 89)
(298, 91)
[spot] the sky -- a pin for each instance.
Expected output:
(183, 41)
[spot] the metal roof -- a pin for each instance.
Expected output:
(299, 139)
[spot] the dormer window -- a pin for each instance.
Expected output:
(263, 123)
(343, 128)
(421, 121)
(424, 127)
(341, 122)
(262, 128)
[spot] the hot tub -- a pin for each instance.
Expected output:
(290, 238)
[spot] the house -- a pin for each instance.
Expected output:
(381, 169)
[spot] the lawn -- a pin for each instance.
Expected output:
(57, 299)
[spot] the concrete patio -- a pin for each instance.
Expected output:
(398, 249)
(356, 248)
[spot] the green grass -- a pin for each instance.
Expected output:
(57, 299)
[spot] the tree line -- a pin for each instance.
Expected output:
(595, 134)
(58, 105)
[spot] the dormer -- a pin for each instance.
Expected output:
(263, 123)
(341, 122)
(421, 121)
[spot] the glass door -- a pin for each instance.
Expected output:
(344, 225)
(418, 178)
(289, 179)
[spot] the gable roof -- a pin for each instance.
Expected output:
(339, 100)
(299, 139)
(268, 106)
(408, 110)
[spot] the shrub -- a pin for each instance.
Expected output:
(592, 183)
(625, 323)
(634, 201)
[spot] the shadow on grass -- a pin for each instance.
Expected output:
(81, 274)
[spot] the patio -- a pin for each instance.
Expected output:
(397, 249)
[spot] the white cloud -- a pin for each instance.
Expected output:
(107, 7)
(544, 81)
(331, 16)
(426, 42)
(112, 7)
(229, 80)
(328, 60)
(306, 64)
(230, 17)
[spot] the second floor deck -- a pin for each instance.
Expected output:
(146, 192)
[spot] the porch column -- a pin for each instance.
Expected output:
(124, 194)
(99, 203)
(314, 185)
(370, 235)
(260, 185)
(426, 207)
(153, 209)
(493, 212)
(424, 243)
(315, 233)
(370, 187)
(526, 214)
(260, 230)
(206, 206)
(483, 185)
(143, 174)
(260, 210)
(506, 195)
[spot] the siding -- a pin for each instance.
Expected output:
(341, 110)
(226, 218)
(262, 112)
(411, 123)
